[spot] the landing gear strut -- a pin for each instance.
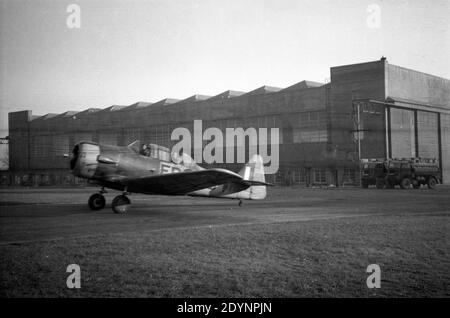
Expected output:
(96, 201)
(240, 202)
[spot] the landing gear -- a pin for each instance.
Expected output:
(96, 201)
(240, 202)
(120, 204)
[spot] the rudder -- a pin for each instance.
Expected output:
(253, 170)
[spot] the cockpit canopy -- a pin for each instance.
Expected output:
(156, 152)
(165, 154)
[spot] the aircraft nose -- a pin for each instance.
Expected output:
(84, 160)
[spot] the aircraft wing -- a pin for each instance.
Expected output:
(182, 182)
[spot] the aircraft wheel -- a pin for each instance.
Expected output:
(96, 202)
(120, 204)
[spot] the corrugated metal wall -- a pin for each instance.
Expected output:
(427, 132)
(60, 146)
(402, 133)
(108, 137)
(131, 134)
(48, 150)
(40, 149)
(445, 142)
(373, 136)
(81, 136)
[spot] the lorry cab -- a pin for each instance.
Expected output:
(372, 170)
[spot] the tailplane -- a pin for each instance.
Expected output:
(253, 174)
(252, 186)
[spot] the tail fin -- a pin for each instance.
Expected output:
(254, 171)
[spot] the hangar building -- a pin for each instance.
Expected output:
(367, 110)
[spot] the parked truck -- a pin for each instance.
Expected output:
(405, 172)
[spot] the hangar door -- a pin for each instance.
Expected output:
(445, 142)
(403, 142)
(427, 133)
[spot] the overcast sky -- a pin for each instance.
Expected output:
(128, 51)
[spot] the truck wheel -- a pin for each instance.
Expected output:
(405, 183)
(379, 184)
(431, 183)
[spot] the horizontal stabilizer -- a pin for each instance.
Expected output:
(256, 183)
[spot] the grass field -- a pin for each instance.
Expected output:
(317, 258)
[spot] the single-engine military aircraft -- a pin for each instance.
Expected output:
(152, 169)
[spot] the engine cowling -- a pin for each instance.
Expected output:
(84, 159)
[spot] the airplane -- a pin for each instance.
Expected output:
(152, 169)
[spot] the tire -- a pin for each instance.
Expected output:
(120, 204)
(431, 183)
(96, 202)
(405, 183)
